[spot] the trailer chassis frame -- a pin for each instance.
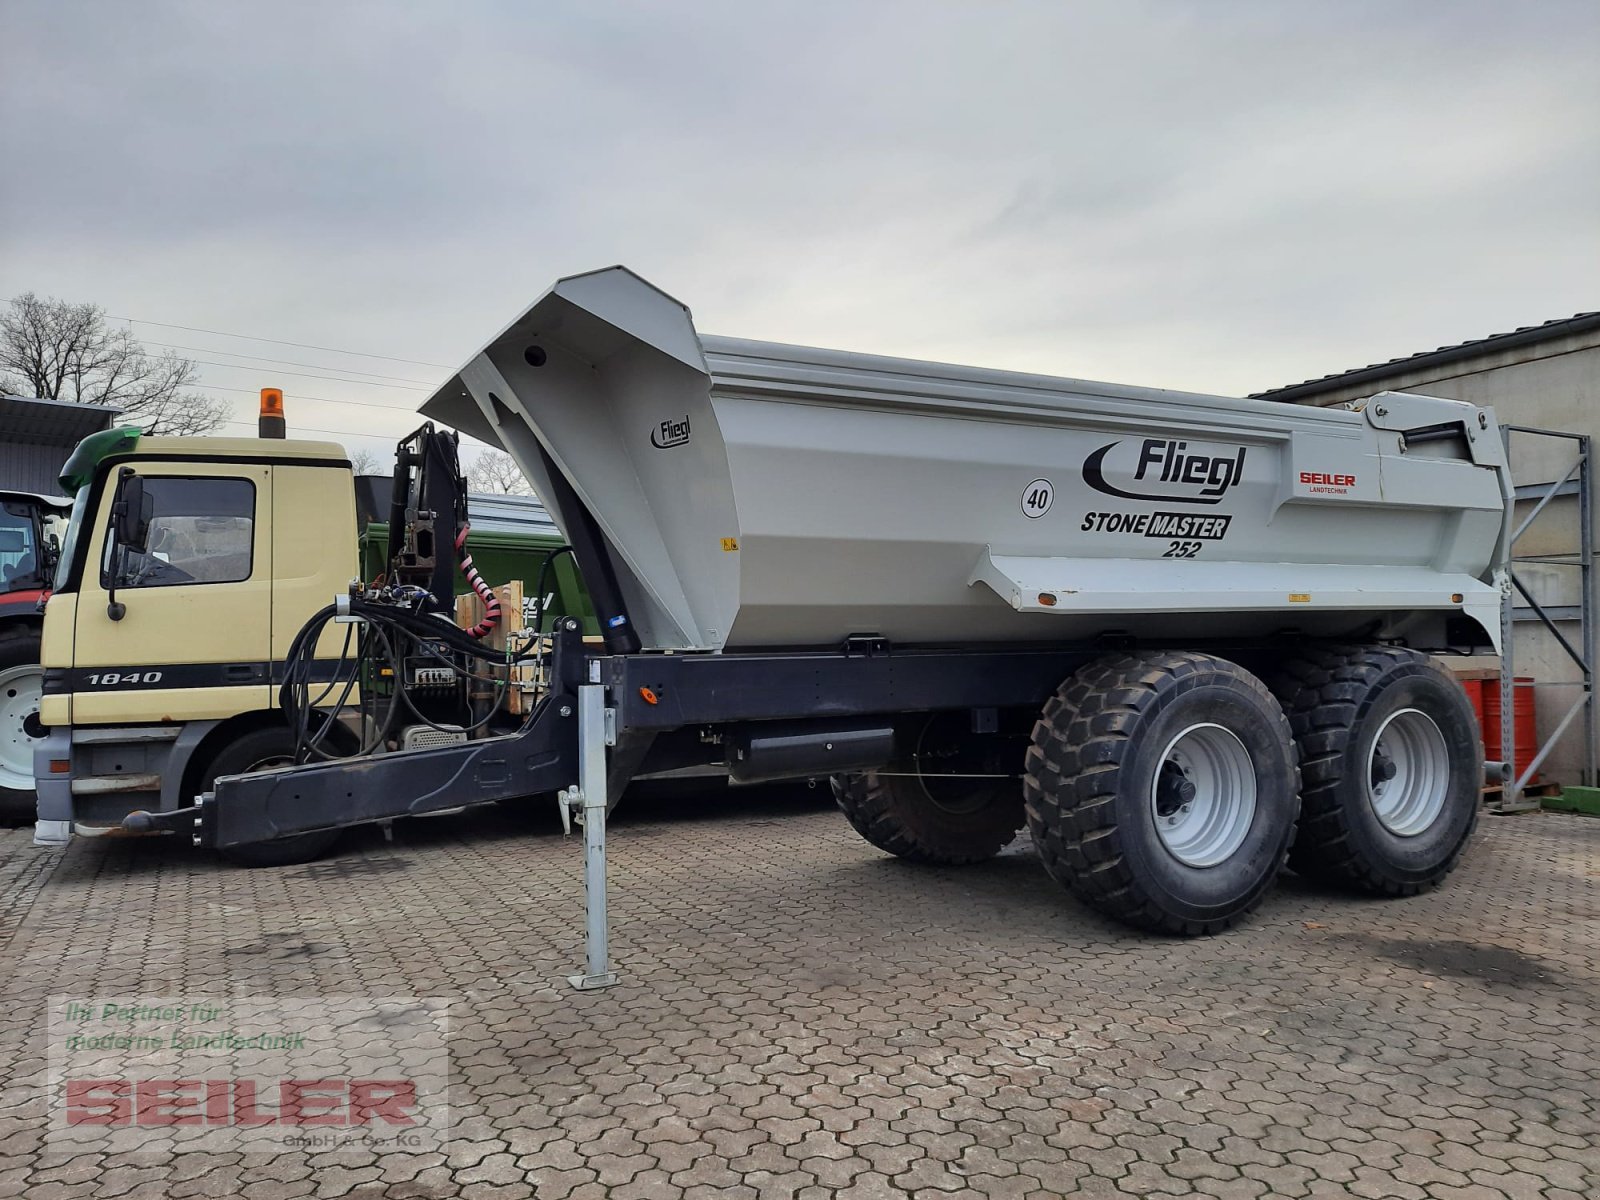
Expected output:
(595, 727)
(547, 755)
(594, 730)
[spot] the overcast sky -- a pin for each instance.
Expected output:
(1219, 195)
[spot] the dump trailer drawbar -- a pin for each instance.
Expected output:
(1172, 635)
(596, 710)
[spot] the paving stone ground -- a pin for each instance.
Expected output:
(802, 1016)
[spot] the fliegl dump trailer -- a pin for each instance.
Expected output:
(1163, 631)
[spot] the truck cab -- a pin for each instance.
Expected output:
(187, 569)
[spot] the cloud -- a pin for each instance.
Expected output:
(1216, 196)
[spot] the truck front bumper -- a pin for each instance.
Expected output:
(54, 788)
(88, 778)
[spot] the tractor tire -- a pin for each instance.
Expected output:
(1162, 790)
(1391, 763)
(21, 683)
(949, 822)
(268, 747)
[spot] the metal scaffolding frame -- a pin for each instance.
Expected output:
(1576, 482)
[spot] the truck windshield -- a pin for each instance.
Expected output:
(69, 545)
(19, 551)
(76, 474)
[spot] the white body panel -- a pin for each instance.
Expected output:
(756, 494)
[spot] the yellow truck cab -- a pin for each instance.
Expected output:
(189, 566)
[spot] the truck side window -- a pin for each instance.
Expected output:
(201, 531)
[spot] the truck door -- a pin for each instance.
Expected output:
(192, 641)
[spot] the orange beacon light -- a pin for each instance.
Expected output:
(271, 423)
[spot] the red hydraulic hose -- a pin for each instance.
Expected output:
(491, 602)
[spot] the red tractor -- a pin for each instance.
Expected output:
(31, 528)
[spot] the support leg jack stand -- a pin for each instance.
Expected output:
(592, 796)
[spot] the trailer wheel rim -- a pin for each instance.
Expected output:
(1408, 773)
(20, 690)
(1203, 796)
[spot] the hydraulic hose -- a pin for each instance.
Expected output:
(491, 602)
(390, 634)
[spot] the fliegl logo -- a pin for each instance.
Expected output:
(671, 433)
(1165, 469)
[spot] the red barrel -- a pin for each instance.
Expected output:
(1474, 689)
(1524, 725)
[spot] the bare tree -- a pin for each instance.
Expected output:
(496, 471)
(365, 462)
(61, 351)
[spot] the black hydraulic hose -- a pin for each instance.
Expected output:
(312, 744)
(294, 697)
(296, 654)
(391, 635)
(331, 720)
(538, 591)
(423, 625)
(296, 670)
(434, 629)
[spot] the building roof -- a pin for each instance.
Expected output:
(1476, 347)
(54, 422)
(58, 504)
(494, 513)
(491, 513)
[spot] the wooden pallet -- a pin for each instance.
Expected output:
(1464, 674)
(1495, 802)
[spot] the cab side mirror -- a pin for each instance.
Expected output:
(131, 513)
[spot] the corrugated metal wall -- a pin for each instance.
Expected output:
(32, 466)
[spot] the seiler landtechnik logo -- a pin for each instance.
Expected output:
(1170, 472)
